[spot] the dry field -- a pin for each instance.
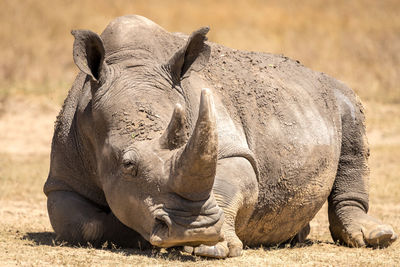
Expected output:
(355, 41)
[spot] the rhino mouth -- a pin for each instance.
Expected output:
(178, 228)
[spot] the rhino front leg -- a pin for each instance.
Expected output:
(79, 221)
(236, 192)
(348, 202)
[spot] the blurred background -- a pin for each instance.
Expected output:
(357, 42)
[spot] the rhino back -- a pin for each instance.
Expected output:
(292, 125)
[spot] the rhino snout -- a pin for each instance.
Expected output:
(177, 228)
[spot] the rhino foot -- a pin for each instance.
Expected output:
(224, 249)
(220, 250)
(363, 230)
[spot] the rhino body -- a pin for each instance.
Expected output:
(143, 154)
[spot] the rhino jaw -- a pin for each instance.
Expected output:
(178, 227)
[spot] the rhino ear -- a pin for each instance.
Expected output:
(88, 52)
(193, 56)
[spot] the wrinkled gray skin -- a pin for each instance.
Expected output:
(143, 154)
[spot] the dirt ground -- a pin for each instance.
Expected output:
(355, 41)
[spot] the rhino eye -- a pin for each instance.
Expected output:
(130, 163)
(130, 167)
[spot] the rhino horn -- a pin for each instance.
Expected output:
(176, 134)
(195, 164)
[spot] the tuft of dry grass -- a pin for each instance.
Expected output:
(355, 41)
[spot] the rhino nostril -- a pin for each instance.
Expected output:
(161, 222)
(161, 226)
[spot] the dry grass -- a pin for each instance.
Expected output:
(355, 41)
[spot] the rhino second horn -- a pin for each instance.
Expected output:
(195, 165)
(176, 133)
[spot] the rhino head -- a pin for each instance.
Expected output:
(157, 178)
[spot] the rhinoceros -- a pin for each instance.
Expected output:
(167, 139)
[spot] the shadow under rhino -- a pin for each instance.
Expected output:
(41, 238)
(50, 239)
(176, 253)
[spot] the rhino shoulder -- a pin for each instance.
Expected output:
(69, 171)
